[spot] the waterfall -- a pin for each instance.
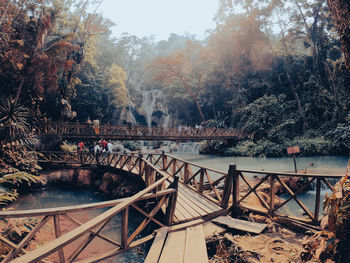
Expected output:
(153, 108)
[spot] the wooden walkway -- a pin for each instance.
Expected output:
(181, 246)
(181, 195)
(119, 132)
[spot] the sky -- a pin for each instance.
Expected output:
(160, 18)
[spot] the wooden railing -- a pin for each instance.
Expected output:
(269, 206)
(223, 188)
(77, 130)
(232, 188)
(155, 193)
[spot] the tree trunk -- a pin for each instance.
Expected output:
(341, 14)
(296, 96)
(19, 90)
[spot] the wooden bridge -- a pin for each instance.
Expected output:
(119, 132)
(180, 197)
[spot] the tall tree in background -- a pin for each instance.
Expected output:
(188, 68)
(341, 13)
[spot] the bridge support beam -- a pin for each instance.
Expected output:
(235, 188)
(170, 210)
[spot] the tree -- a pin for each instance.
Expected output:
(116, 84)
(341, 14)
(188, 67)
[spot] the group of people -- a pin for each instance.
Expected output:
(99, 147)
(184, 129)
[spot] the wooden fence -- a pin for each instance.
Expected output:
(228, 189)
(155, 192)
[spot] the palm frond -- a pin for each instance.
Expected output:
(18, 177)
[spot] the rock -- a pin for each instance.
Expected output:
(55, 177)
(83, 177)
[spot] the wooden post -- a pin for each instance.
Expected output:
(186, 172)
(227, 187)
(201, 180)
(318, 199)
(125, 218)
(56, 222)
(140, 164)
(173, 166)
(272, 194)
(164, 161)
(147, 174)
(170, 210)
(235, 189)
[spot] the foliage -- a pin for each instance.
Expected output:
(68, 147)
(332, 242)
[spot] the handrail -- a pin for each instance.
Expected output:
(65, 239)
(118, 205)
(75, 208)
(291, 174)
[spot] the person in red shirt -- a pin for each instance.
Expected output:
(80, 148)
(104, 144)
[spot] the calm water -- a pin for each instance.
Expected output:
(321, 164)
(54, 197)
(317, 164)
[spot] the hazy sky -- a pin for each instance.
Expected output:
(160, 17)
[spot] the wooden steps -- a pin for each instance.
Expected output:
(238, 224)
(182, 246)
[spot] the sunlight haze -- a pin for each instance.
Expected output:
(160, 17)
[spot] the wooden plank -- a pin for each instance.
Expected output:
(211, 229)
(185, 225)
(204, 202)
(75, 208)
(180, 206)
(195, 248)
(174, 248)
(157, 246)
(192, 206)
(241, 225)
(197, 199)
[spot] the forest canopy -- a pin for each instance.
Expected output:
(273, 68)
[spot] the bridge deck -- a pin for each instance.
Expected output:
(182, 246)
(191, 205)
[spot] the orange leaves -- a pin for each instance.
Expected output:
(19, 66)
(69, 64)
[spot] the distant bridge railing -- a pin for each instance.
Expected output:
(120, 132)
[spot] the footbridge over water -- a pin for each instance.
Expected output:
(181, 196)
(120, 132)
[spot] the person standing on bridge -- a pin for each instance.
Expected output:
(96, 125)
(80, 149)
